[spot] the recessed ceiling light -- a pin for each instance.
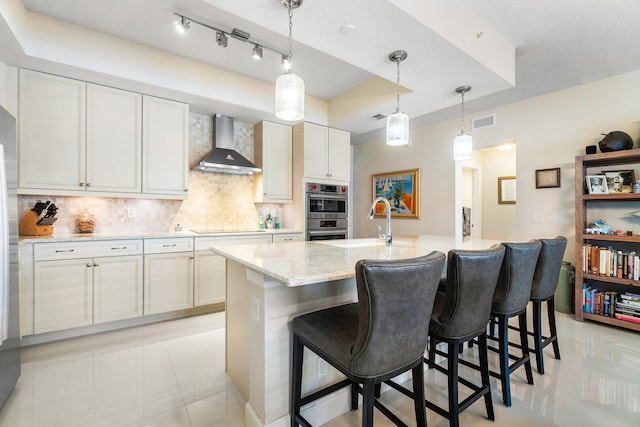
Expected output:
(348, 29)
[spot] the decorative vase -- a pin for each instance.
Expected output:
(616, 141)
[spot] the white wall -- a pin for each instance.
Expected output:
(498, 221)
(551, 130)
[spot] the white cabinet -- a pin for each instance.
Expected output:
(168, 275)
(165, 144)
(211, 270)
(82, 283)
(324, 152)
(114, 140)
(51, 147)
(78, 138)
(274, 154)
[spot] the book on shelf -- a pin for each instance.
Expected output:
(627, 318)
(609, 262)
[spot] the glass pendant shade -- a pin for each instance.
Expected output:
(289, 97)
(398, 129)
(462, 147)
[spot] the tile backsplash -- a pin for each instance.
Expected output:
(215, 200)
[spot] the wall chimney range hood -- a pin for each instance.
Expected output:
(223, 158)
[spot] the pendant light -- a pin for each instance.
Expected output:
(398, 123)
(289, 86)
(463, 143)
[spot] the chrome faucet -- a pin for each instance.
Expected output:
(384, 236)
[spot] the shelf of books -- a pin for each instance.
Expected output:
(608, 257)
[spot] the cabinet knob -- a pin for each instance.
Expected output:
(88, 184)
(95, 264)
(81, 184)
(89, 265)
(191, 257)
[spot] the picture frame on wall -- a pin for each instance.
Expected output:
(597, 184)
(548, 178)
(401, 189)
(620, 181)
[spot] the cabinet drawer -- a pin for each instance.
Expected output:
(288, 237)
(203, 243)
(99, 248)
(158, 246)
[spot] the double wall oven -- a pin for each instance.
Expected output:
(326, 208)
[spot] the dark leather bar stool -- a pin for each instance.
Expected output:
(545, 282)
(381, 336)
(461, 313)
(511, 299)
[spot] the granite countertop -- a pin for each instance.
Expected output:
(81, 237)
(304, 263)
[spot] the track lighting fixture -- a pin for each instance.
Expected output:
(256, 53)
(222, 39)
(463, 143)
(289, 86)
(183, 22)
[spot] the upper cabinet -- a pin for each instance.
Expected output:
(78, 138)
(274, 154)
(52, 137)
(324, 152)
(165, 144)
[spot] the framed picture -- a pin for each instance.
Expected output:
(597, 184)
(619, 181)
(548, 178)
(402, 190)
(506, 190)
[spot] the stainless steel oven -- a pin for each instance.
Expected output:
(326, 211)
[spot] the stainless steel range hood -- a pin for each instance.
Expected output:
(223, 158)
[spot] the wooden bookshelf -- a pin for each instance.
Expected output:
(626, 159)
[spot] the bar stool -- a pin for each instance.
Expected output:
(509, 300)
(545, 282)
(381, 336)
(461, 313)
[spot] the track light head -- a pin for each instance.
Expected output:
(222, 39)
(182, 24)
(256, 53)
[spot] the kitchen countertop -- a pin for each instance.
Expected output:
(304, 263)
(80, 237)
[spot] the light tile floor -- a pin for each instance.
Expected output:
(172, 374)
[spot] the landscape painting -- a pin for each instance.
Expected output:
(401, 189)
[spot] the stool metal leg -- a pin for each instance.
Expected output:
(537, 335)
(454, 406)
(296, 380)
(369, 391)
(418, 390)
(484, 373)
(503, 353)
(552, 328)
(354, 396)
(524, 345)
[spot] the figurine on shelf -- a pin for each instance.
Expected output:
(601, 226)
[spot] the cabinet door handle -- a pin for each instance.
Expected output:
(95, 264)
(119, 249)
(81, 184)
(169, 246)
(191, 257)
(89, 265)
(64, 250)
(286, 240)
(88, 184)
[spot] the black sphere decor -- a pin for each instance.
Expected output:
(616, 141)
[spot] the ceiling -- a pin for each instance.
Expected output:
(507, 51)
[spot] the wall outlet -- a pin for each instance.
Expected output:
(322, 367)
(131, 212)
(538, 217)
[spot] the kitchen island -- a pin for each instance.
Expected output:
(268, 285)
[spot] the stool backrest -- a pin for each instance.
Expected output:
(516, 277)
(395, 300)
(545, 279)
(472, 276)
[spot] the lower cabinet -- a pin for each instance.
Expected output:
(168, 275)
(74, 286)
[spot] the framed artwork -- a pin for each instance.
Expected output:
(619, 181)
(506, 190)
(548, 178)
(597, 184)
(402, 190)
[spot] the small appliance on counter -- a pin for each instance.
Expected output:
(39, 220)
